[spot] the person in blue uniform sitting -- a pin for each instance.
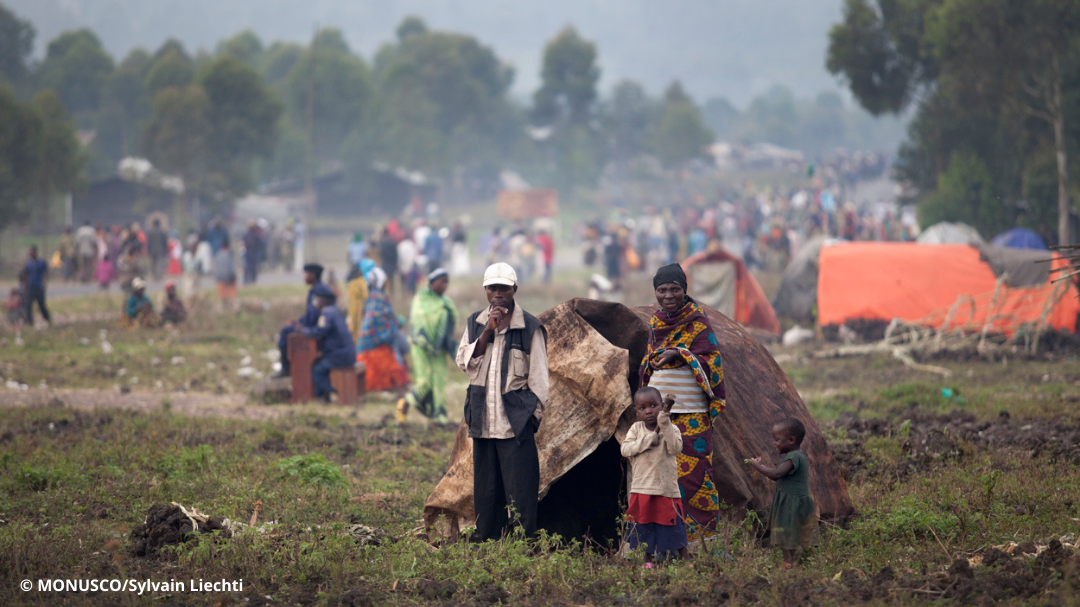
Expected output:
(336, 349)
(312, 276)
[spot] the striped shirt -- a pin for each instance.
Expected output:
(689, 397)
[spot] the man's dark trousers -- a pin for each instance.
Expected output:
(505, 472)
(37, 295)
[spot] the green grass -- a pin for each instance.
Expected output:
(72, 481)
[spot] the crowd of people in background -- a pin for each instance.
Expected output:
(121, 254)
(765, 228)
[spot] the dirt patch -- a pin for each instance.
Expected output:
(198, 404)
(931, 438)
(1000, 577)
(433, 590)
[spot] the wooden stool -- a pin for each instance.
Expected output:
(302, 353)
(350, 384)
(344, 383)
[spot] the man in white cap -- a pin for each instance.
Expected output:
(504, 354)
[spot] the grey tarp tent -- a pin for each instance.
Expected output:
(594, 349)
(797, 294)
(950, 233)
(1021, 267)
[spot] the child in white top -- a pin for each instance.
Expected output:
(655, 511)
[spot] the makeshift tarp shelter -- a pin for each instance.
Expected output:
(797, 295)
(594, 349)
(1019, 238)
(950, 233)
(722, 281)
(951, 285)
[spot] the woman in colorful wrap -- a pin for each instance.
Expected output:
(375, 348)
(684, 361)
(431, 339)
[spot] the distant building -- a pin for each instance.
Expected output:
(137, 190)
(118, 201)
(384, 190)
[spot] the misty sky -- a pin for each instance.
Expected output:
(730, 48)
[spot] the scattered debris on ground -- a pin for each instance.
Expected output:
(272, 391)
(168, 525)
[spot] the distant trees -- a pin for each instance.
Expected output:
(338, 86)
(994, 83)
(568, 77)
(443, 103)
(681, 135)
(16, 44)
(212, 131)
(253, 112)
(75, 66)
(629, 117)
(40, 155)
(19, 127)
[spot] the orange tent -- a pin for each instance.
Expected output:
(933, 286)
(722, 281)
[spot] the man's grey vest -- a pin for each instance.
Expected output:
(518, 404)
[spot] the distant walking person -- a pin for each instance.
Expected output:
(431, 338)
(252, 248)
(69, 255)
(388, 257)
(225, 275)
(86, 243)
(36, 271)
(157, 246)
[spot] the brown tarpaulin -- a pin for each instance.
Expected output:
(589, 342)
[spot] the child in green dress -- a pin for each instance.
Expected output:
(792, 517)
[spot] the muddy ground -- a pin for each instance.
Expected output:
(931, 439)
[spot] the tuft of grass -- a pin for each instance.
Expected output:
(313, 469)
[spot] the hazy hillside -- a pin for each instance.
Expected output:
(733, 48)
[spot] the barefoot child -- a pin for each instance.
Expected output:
(792, 516)
(655, 512)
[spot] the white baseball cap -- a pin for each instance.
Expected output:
(500, 274)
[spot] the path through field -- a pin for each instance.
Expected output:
(191, 404)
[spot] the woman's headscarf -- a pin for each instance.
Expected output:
(671, 273)
(436, 274)
(376, 278)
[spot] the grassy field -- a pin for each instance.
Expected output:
(941, 470)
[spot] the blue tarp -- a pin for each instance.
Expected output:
(1019, 238)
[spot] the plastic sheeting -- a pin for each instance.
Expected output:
(950, 233)
(873, 280)
(1019, 238)
(797, 294)
(751, 309)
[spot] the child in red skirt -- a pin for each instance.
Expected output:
(655, 513)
